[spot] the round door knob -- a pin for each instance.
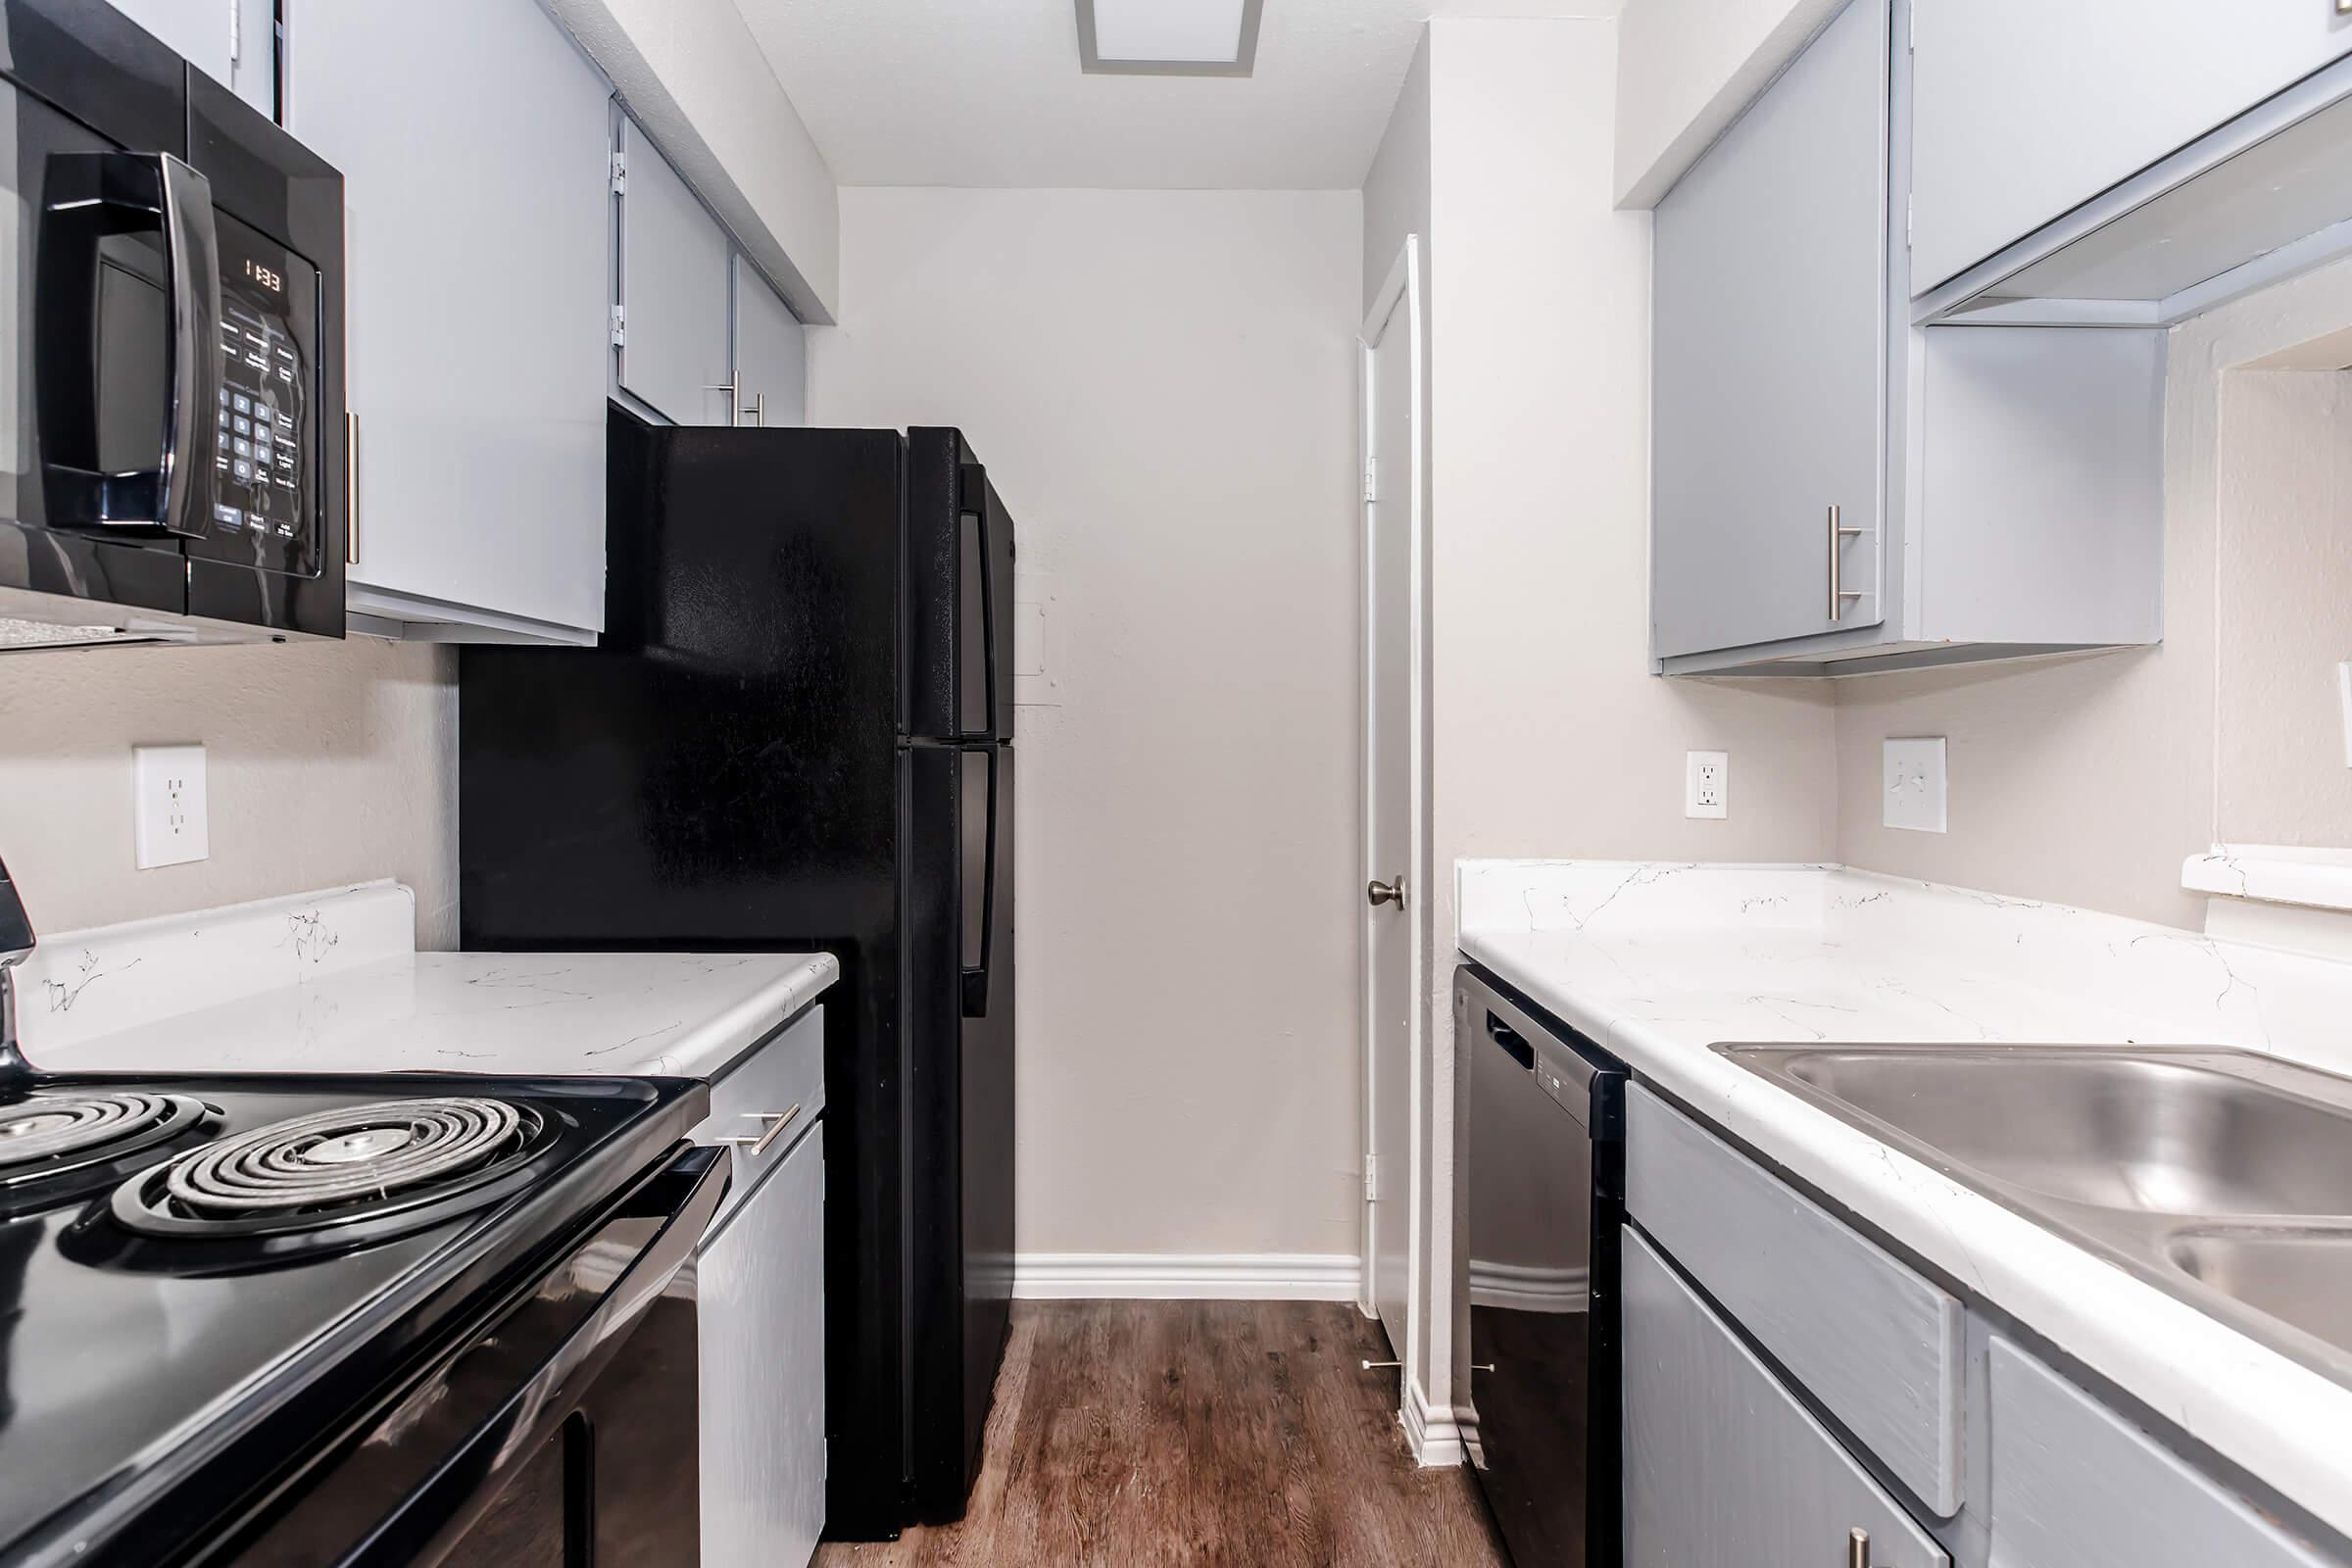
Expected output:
(1380, 893)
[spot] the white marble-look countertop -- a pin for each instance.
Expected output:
(331, 982)
(1658, 962)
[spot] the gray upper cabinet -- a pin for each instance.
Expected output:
(1837, 490)
(2025, 109)
(676, 351)
(1768, 359)
(477, 240)
(771, 354)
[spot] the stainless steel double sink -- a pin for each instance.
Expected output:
(2224, 1177)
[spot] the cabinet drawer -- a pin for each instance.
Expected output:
(2076, 1486)
(1722, 1464)
(785, 1077)
(1876, 1344)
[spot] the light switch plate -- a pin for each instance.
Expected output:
(167, 816)
(1914, 781)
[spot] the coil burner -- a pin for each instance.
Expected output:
(50, 1145)
(351, 1174)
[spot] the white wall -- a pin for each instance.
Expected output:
(1396, 186)
(2037, 749)
(1551, 736)
(324, 764)
(693, 77)
(1685, 70)
(1162, 387)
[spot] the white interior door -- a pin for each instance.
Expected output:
(1395, 750)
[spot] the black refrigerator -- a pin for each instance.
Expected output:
(796, 734)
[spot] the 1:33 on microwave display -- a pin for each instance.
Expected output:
(269, 278)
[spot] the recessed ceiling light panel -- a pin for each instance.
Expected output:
(1168, 37)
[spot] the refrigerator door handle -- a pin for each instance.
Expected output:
(972, 482)
(976, 979)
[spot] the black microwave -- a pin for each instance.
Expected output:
(173, 453)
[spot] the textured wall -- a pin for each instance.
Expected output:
(324, 764)
(1163, 387)
(2088, 780)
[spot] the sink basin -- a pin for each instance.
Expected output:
(2138, 1132)
(2224, 1177)
(2301, 1278)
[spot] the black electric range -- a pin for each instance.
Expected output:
(347, 1320)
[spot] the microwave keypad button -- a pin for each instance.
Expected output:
(227, 516)
(244, 425)
(244, 447)
(243, 470)
(244, 404)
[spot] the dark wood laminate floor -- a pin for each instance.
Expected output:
(1136, 1434)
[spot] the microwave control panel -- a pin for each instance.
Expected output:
(263, 505)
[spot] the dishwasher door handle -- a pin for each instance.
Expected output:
(1512, 1041)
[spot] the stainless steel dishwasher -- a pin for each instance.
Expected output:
(1546, 1151)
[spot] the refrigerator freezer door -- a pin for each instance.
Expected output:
(959, 599)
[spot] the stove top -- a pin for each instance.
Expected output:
(200, 1278)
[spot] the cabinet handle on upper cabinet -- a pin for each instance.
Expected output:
(1857, 1550)
(1838, 592)
(760, 410)
(351, 489)
(734, 400)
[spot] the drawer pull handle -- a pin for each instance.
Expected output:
(1857, 1550)
(776, 1121)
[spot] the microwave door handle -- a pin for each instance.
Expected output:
(686, 1195)
(193, 243)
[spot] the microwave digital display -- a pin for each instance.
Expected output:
(264, 464)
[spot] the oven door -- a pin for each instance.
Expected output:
(563, 1432)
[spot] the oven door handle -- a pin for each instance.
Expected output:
(89, 197)
(431, 1520)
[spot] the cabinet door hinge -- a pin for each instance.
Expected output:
(1371, 479)
(1917, 6)
(1910, 216)
(236, 33)
(1371, 1178)
(620, 327)
(620, 174)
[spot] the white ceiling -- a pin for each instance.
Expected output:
(989, 93)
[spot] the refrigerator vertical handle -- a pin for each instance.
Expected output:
(972, 486)
(975, 980)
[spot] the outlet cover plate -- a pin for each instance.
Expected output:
(1914, 784)
(168, 814)
(1707, 784)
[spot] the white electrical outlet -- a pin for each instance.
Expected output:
(1707, 784)
(1914, 784)
(169, 816)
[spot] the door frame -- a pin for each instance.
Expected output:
(1396, 1174)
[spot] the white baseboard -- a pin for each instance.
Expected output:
(1186, 1276)
(1529, 1288)
(1434, 1433)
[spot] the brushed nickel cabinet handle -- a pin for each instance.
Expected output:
(760, 410)
(776, 1121)
(1377, 894)
(1857, 1550)
(1838, 592)
(734, 399)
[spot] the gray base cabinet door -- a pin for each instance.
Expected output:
(1768, 359)
(771, 355)
(763, 1304)
(676, 349)
(1722, 1464)
(477, 236)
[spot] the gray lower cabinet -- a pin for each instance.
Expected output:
(2077, 1486)
(1722, 1464)
(674, 333)
(477, 236)
(763, 1329)
(771, 354)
